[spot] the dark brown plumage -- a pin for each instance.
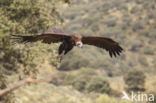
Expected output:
(71, 40)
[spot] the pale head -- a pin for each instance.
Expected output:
(79, 44)
(77, 40)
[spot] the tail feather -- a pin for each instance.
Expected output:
(22, 39)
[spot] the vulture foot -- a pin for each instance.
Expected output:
(60, 58)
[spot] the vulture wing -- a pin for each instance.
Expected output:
(45, 37)
(103, 42)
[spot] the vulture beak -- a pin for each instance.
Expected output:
(79, 44)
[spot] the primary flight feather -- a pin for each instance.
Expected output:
(68, 41)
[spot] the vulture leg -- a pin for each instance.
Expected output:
(60, 51)
(61, 48)
(60, 58)
(68, 48)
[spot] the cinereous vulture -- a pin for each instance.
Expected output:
(68, 41)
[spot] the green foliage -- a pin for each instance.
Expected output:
(126, 101)
(129, 22)
(135, 81)
(137, 26)
(148, 51)
(25, 17)
(143, 61)
(136, 44)
(98, 84)
(82, 79)
(8, 98)
(105, 99)
(28, 17)
(79, 80)
(80, 83)
(85, 80)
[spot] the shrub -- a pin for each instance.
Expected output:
(115, 93)
(98, 84)
(86, 80)
(143, 61)
(148, 51)
(110, 21)
(136, 44)
(137, 26)
(68, 79)
(126, 101)
(87, 71)
(80, 84)
(78, 81)
(105, 99)
(135, 81)
(59, 81)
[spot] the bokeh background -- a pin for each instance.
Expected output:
(89, 75)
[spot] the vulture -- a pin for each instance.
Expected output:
(68, 41)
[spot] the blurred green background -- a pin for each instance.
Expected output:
(89, 75)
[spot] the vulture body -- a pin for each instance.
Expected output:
(68, 41)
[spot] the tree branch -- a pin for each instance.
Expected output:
(24, 82)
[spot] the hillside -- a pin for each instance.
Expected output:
(88, 74)
(130, 22)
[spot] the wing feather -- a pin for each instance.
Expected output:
(48, 37)
(106, 43)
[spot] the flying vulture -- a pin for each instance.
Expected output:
(68, 41)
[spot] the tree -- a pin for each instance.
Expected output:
(24, 17)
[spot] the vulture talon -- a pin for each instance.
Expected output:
(60, 58)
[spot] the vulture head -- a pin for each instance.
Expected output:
(77, 40)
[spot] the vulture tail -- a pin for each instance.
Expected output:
(22, 39)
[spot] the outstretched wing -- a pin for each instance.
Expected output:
(48, 37)
(103, 42)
